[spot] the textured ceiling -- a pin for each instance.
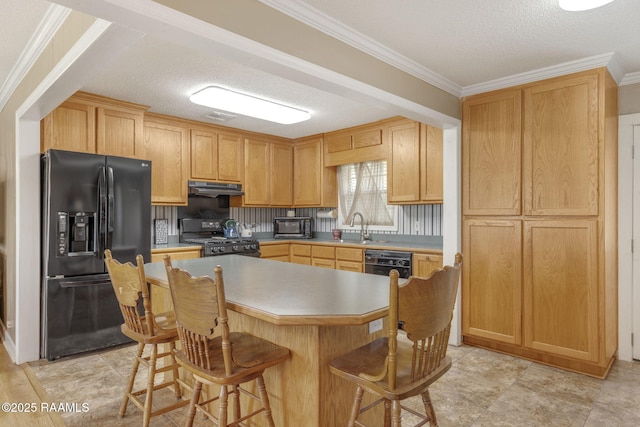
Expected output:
(457, 45)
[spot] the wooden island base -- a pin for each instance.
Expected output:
(302, 391)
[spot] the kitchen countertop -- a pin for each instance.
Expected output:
(290, 294)
(425, 244)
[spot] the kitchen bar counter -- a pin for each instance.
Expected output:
(290, 294)
(317, 313)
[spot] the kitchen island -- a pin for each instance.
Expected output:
(317, 313)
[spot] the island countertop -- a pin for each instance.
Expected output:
(289, 294)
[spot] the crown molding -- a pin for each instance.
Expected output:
(326, 24)
(630, 79)
(584, 64)
(48, 26)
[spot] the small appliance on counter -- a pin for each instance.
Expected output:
(297, 227)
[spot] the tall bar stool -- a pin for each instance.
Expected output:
(212, 353)
(395, 369)
(130, 284)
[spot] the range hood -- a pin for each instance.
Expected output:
(214, 189)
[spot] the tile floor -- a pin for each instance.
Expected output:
(483, 388)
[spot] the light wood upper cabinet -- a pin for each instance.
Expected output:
(561, 147)
(268, 167)
(414, 169)
(313, 183)
(118, 131)
(256, 173)
(492, 154)
(356, 144)
(93, 124)
(216, 156)
(71, 127)
(281, 171)
(166, 145)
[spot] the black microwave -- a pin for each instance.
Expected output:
(293, 227)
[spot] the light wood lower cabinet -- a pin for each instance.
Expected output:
(423, 265)
(323, 256)
(160, 297)
(275, 251)
(350, 259)
(301, 254)
(492, 283)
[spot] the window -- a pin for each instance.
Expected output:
(362, 187)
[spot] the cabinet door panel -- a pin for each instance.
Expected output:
(204, 155)
(230, 157)
(281, 174)
(561, 287)
(431, 189)
(307, 181)
(403, 174)
(256, 179)
(117, 132)
(491, 280)
(561, 147)
(423, 265)
(71, 127)
(166, 146)
(491, 154)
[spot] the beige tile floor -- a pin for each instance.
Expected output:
(483, 388)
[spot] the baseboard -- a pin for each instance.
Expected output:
(8, 344)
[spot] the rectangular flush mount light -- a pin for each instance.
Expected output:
(247, 105)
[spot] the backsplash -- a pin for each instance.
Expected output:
(429, 217)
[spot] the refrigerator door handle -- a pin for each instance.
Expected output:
(102, 213)
(110, 206)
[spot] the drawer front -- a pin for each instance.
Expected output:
(323, 252)
(349, 254)
(301, 260)
(321, 262)
(301, 250)
(270, 251)
(350, 266)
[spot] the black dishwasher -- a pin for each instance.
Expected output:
(381, 262)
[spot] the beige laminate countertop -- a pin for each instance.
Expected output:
(290, 294)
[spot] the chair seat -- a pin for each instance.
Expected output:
(167, 333)
(370, 360)
(251, 355)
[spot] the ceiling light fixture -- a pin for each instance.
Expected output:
(247, 105)
(578, 5)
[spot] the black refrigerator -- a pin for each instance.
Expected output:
(89, 203)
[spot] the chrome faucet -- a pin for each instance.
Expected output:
(363, 235)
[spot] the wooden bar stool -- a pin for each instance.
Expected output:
(212, 353)
(130, 283)
(397, 369)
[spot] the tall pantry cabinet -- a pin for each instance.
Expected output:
(540, 221)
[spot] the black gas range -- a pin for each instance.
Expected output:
(209, 233)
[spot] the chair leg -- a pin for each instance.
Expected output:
(235, 395)
(176, 374)
(195, 398)
(264, 397)
(428, 408)
(148, 401)
(396, 416)
(355, 409)
(132, 379)
(222, 406)
(387, 413)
